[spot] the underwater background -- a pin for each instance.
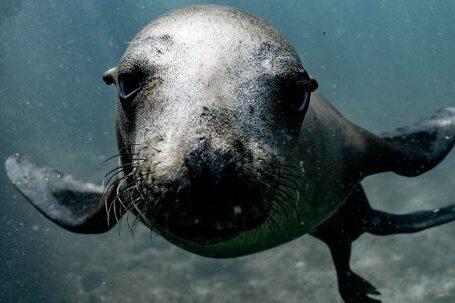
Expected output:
(382, 63)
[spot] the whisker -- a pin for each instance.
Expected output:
(136, 207)
(291, 198)
(117, 156)
(113, 204)
(292, 204)
(122, 151)
(284, 192)
(296, 203)
(281, 176)
(114, 183)
(282, 206)
(104, 197)
(273, 223)
(294, 182)
(119, 168)
(287, 185)
(274, 209)
(288, 166)
(270, 217)
(286, 174)
(106, 183)
(128, 224)
(129, 186)
(118, 193)
(133, 196)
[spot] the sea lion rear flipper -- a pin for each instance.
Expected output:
(338, 232)
(356, 217)
(382, 223)
(412, 150)
(76, 206)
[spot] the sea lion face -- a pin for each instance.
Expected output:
(210, 102)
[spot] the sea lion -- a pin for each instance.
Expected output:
(226, 148)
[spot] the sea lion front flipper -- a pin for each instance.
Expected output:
(76, 206)
(412, 150)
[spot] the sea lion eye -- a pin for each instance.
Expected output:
(306, 87)
(129, 84)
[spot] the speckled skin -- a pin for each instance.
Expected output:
(215, 72)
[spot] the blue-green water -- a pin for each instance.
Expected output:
(383, 64)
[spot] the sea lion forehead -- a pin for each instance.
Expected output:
(210, 31)
(195, 24)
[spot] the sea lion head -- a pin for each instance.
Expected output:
(210, 102)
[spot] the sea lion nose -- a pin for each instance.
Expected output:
(209, 165)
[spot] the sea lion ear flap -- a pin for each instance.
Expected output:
(110, 76)
(76, 206)
(412, 150)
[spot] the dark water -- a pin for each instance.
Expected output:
(383, 64)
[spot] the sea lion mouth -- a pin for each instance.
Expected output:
(205, 229)
(207, 214)
(206, 207)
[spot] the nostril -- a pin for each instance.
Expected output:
(196, 161)
(223, 159)
(221, 165)
(207, 165)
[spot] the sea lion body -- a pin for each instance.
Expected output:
(226, 149)
(216, 72)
